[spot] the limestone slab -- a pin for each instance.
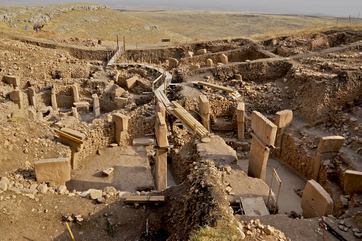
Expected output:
(121, 102)
(56, 170)
(254, 206)
(315, 196)
(131, 82)
(143, 141)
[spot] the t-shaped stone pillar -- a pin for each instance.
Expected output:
(96, 107)
(31, 93)
(17, 97)
(54, 98)
(204, 106)
(264, 132)
(121, 123)
(162, 144)
(327, 148)
(282, 120)
(75, 93)
(240, 115)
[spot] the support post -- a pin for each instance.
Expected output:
(240, 115)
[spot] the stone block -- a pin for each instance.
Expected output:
(283, 118)
(131, 82)
(42, 188)
(108, 172)
(119, 92)
(224, 59)
(352, 181)
(3, 186)
(201, 52)
(5, 180)
(56, 170)
(143, 141)
(209, 63)
(195, 66)
(263, 128)
(82, 106)
(315, 196)
(12, 80)
(95, 193)
(238, 77)
(189, 54)
(172, 62)
(330, 144)
(121, 102)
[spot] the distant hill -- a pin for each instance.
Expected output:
(97, 21)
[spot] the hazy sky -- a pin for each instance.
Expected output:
(327, 7)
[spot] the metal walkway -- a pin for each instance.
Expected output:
(173, 107)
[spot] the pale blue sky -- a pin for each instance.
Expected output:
(327, 7)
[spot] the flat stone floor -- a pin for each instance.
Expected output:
(132, 171)
(288, 199)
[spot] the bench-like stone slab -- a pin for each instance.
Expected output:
(56, 170)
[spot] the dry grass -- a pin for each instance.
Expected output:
(180, 27)
(215, 25)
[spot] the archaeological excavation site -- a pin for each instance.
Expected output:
(230, 139)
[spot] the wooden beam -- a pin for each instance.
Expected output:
(145, 199)
(215, 86)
